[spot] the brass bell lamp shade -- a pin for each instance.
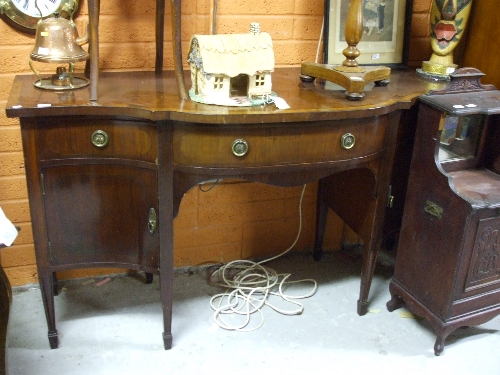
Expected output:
(57, 42)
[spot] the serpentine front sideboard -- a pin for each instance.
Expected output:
(105, 178)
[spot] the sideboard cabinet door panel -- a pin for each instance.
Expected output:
(98, 214)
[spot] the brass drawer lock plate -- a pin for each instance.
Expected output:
(152, 220)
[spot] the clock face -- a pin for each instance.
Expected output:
(34, 7)
(25, 14)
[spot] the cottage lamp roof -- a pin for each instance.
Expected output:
(234, 54)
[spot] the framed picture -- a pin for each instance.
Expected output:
(386, 32)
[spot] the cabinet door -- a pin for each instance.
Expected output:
(99, 215)
(478, 283)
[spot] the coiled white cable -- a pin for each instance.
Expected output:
(249, 284)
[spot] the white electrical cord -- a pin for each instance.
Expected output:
(251, 285)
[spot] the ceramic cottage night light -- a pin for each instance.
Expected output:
(231, 69)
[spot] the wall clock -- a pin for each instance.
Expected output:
(25, 14)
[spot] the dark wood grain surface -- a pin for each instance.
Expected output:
(151, 96)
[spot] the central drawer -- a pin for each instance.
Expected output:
(252, 145)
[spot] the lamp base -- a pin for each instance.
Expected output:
(352, 79)
(46, 84)
(432, 76)
(436, 71)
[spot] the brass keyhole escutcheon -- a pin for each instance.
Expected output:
(100, 138)
(239, 147)
(347, 141)
(152, 220)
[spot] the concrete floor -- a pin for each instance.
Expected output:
(116, 328)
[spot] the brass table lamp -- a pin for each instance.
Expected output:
(57, 42)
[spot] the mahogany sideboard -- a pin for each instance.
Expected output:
(105, 178)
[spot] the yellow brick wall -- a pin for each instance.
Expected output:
(232, 220)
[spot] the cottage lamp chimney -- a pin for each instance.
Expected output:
(255, 28)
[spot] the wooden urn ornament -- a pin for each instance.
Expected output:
(349, 75)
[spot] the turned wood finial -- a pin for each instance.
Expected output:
(349, 75)
(353, 32)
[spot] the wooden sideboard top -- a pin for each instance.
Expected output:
(155, 97)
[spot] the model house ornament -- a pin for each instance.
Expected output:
(231, 69)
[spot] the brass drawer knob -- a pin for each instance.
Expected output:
(347, 141)
(239, 147)
(100, 138)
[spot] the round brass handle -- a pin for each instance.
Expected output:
(100, 138)
(239, 147)
(347, 141)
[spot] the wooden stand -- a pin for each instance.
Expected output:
(349, 75)
(94, 7)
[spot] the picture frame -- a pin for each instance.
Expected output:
(386, 32)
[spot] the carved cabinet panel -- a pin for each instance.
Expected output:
(484, 269)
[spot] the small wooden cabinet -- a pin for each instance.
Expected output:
(98, 196)
(448, 257)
